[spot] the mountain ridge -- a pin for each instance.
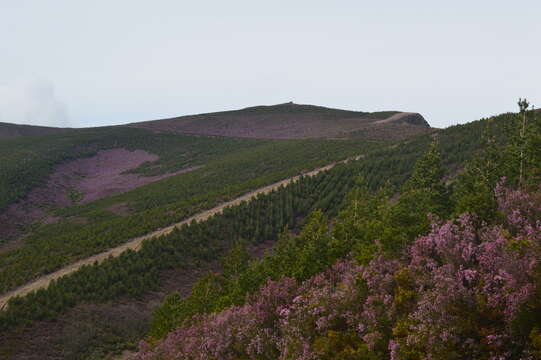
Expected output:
(280, 121)
(285, 121)
(10, 130)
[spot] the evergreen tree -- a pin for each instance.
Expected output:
(523, 153)
(362, 224)
(474, 189)
(236, 261)
(428, 171)
(424, 193)
(532, 148)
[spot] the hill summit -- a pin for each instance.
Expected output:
(290, 121)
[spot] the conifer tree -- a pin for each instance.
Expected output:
(523, 153)
(236, 261)
(532, 148)
(428, 171)
(473, 191)
(362, 223)
(423, 193)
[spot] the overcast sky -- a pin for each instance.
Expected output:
(86, 63)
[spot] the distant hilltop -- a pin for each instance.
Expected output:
(289, 121)
(8, 130)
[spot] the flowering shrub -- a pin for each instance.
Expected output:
(463, 291)
(246, 331)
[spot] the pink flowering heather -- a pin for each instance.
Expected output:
(329, 301)
(471, 283)
(239, 332)
(457, 294)
(281, 321)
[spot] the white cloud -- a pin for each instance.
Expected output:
(31, 101)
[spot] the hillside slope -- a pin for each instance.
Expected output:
(47, 169)
(289, 121)
(136, 243)
(8, 131)
(94, 189)
(116, 298)
(448, 269)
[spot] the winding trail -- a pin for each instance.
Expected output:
(135, 243)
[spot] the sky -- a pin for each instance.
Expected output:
(90, 63)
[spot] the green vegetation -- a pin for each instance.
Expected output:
(75, 195)
(232, 167)
(374, 231)
(426, 184)
(368, 215)
(27, 161)
(133, 273)
(390, 166)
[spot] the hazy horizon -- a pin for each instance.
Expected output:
(81, 64)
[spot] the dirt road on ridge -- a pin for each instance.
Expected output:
(135, 243)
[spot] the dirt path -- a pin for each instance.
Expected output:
(395, 118)
(135, 243)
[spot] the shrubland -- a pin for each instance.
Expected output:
(342, 248)
(445, 269)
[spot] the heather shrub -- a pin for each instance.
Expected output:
(474, 285)
(424, 284)
(328, 306)
(239, 332)
(462, 291)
